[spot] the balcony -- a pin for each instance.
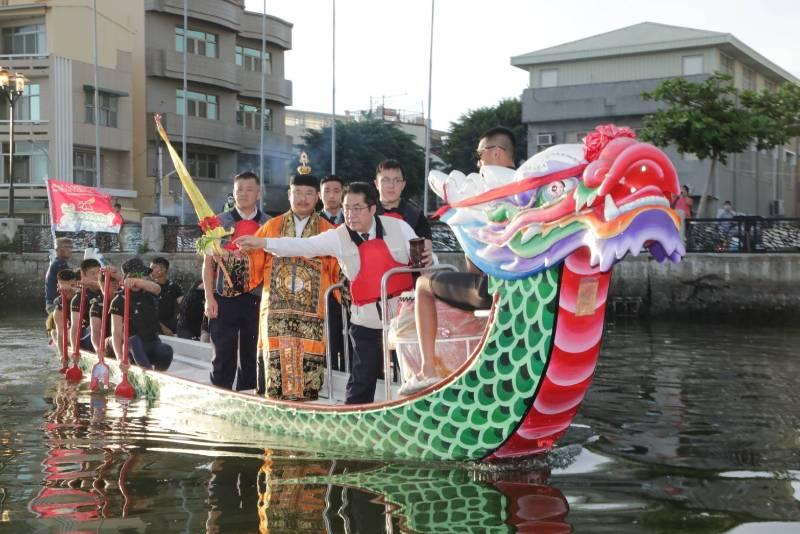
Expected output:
(216, 133)
(220, 134)
(279, 32)
(277, 89)
(26, 64)
(201, 69)
(226, 13)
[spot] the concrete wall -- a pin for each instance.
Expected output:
(711, 284)
(704, 285)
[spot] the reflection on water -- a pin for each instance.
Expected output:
(685, 429)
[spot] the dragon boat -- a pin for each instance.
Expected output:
(548, 236)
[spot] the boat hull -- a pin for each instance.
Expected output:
(467, 416)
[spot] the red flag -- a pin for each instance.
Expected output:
(75, 208)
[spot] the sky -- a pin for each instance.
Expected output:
(382, 45)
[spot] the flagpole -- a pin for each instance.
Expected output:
(96, 101)
(428, 121)
(333, 91)
(263, 114)
(184, 154)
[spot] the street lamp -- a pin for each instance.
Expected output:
(12, 85)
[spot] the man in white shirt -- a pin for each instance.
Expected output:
(378, 243)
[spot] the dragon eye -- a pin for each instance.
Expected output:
(555, 190)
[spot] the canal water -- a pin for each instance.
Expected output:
(686, 428)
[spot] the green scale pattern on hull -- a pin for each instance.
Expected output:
(465, 420)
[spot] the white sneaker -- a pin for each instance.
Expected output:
(416, 384)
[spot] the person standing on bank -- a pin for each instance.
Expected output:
(292, 306)
(170, 297)
(332, 192)
(232, 301)
(378, 243)
(63, 253)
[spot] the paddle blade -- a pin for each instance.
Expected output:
(74, 374)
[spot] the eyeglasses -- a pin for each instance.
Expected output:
(479, 152)
(354, 209)
(391, 181)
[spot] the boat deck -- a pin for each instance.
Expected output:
(192, 361)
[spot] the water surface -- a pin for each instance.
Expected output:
(686, 428)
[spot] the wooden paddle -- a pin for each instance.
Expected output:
(100, 371)
(64, 332)
(124, 389)
(74, 374)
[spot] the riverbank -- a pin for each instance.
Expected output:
(701, 285)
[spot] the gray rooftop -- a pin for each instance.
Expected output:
(642, 38)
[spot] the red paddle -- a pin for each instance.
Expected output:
(100, 371)
(74, 374)
(64, 332)
(124, 389)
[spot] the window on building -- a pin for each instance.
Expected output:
(197, 42)
(30, 162)
(27, 108)
(199, 104)
(548, 78)
(770, 85)
(790, 158)
(250, 59)
(84, 167)
(692, 65)
(203, 165)
(727, 64)
(748, 79)
(24, 40)
(249, 116)
(106, 113)
(249, 162)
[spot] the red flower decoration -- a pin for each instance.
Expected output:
(209, 223)
(596, 141)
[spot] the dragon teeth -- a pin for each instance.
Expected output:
(611, 210)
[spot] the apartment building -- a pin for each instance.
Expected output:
(222, 104)
(577, 85)
(50, 42)
(140, 73)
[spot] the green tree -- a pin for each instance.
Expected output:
(775, 115)
(360, 146)
(459, 148)
(700, 118)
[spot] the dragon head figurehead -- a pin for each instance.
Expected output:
(610, 195)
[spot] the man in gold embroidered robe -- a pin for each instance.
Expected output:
(292, 302)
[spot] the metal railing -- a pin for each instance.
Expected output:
(39, 238)
(345, 327)
(743, 234)
(385, 319)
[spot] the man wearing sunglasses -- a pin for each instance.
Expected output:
(464, 290)
(376, 243)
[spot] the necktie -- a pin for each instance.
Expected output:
(365, 237)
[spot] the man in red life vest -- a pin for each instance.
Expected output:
(380, 242)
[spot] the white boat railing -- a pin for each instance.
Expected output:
(385, 319)
(327, 334)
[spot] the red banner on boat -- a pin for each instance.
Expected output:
(75, 208)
